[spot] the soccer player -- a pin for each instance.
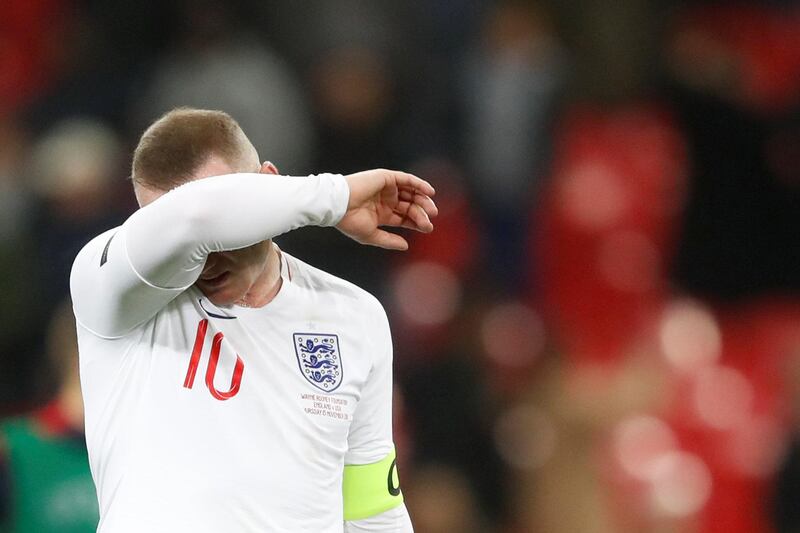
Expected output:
(227, 385)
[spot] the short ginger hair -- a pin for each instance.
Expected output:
(178, 143)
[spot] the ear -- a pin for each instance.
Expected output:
(268, 168)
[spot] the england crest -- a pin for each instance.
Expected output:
(319, 359)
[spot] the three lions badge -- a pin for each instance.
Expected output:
(319, 359)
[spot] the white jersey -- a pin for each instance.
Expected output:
(207, 419)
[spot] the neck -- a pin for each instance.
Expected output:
(268, 283)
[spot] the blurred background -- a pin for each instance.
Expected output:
(603, 332)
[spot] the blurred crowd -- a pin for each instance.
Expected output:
(603, 332)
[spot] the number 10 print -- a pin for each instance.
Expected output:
(194, 362)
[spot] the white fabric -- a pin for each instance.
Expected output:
(161, 249)
(166, 457)
(392, 521)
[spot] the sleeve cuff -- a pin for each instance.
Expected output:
(341, 197)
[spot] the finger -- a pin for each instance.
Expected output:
(402, 206)
(407, 195)
(412, 212)
(419, 217)
(423, 200)
(398, 219)
(387, 240)
(402, 220)
(408, 224)
(405, 180)
(426, 203)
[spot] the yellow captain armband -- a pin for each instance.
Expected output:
(371, 489)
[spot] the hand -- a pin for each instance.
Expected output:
(387, 198)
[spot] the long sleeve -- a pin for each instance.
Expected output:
(125, 276)
(392, 521)
(370, 438)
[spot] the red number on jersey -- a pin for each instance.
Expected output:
(194, 363)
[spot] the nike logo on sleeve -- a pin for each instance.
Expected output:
(104, 257)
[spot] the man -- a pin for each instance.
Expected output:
(45, 484)
(288, 427)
